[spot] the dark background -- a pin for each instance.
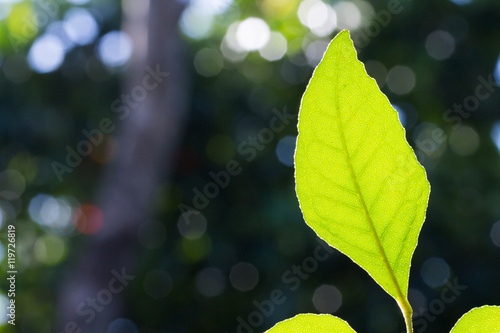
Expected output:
(119, 207)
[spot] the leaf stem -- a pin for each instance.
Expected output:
(407, 311)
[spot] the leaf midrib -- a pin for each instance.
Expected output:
(400, 297)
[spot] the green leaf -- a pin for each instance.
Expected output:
(312, 323)
(485, 319)
(359, 184)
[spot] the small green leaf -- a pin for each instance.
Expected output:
(312, 323)
(485, 319)
(359, 184)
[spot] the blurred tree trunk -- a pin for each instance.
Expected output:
(146, 143)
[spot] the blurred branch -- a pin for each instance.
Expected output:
(146, 144)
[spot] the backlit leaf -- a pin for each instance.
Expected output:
(312, 323)
(485, 319)
(359, 184)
